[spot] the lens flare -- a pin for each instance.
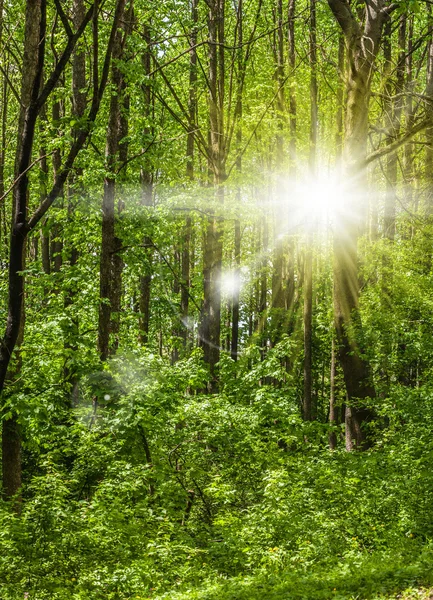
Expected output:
(230, 283)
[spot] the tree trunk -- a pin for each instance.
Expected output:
(210, 322)
(56, 240)
(308, 265)
(71, 332)
(30, 86)
(32, 99)
(429, 131)
(292, 91)
(146, 179)
(235, 299)
(186, 281)
(109, 274)
(362, 42)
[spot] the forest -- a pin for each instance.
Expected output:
(216, 308)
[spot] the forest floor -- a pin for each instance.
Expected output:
(414, 593)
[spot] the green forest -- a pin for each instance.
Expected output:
(216, 307)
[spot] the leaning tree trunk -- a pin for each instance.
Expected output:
(32, 101)
(357, 373)
(31, 80)
(362, 42)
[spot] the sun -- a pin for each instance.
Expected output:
(318, 198)
(230, 283)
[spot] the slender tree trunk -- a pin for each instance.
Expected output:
(146, 178)
(292, 91)
(237, 232)
(394, 109)
(56, 239)
(333, 411)
(3, 125)
(186, 281)
(235, 300)
(408, 148)
(278, 289)
(308, 264)
(210, 325)
(109, 273)
(429, 131)
(192, 98)
(340, 98)
(75, 189)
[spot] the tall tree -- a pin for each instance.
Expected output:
(32, 99)
(308, 263)
(362, 37)
(146, 180)
(210, 323)
(110, 282)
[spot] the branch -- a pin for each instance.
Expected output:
(64, 19)
(23, 173)
(67, 52)
(394, 146)
(82, 135)
(344, 17)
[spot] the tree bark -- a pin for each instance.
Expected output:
(146, 179)
(429, 131)
(32, 100)
(110, 274)
(210, 322)
(30, 86)
(308, 264)
(362, 43)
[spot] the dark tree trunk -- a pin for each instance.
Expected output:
(75, 189)
(210, 322)
(31, 81)
(292, 92)
(186, 281)
(333, 410)
(429, 131)
(110, 265)
(235, 299)
(237, 271)
(32, 100)
(56, 240)
(192, 99)
(146, 177)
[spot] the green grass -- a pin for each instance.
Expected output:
(372, 578)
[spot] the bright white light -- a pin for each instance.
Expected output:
(318, 198)
(230, 283)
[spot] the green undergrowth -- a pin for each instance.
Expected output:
(373, 577)
(168, 493)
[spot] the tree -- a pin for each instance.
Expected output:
(362, 46)
(33, 99)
